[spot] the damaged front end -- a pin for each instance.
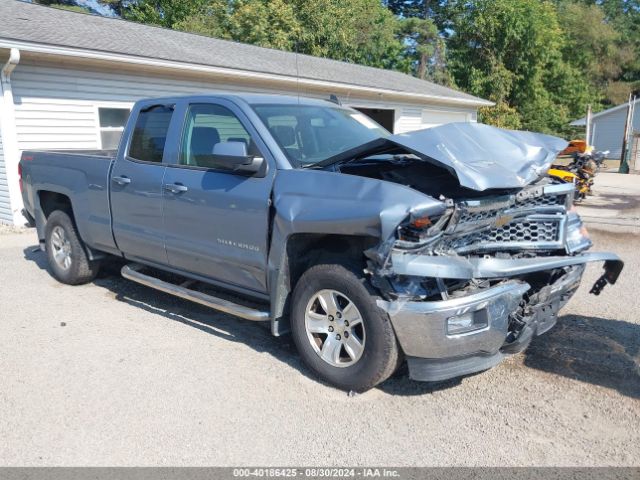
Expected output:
(476, 249)
(478, 279)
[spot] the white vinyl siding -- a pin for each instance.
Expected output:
(56, 106)
(5, 201)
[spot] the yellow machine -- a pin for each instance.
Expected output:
(563, 175)
(581, 173)
(575, 146)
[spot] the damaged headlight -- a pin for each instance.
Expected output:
(577, 238)
(419, 229)
(422, 227)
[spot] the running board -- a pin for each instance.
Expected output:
(132, 272)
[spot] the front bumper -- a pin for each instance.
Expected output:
(421, 326)
(492, 267)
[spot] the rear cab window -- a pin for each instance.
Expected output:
(150, 133)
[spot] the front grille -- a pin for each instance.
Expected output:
(544, 201)
(524, 232)
(535, 220)
(534, 232)
(471, 216)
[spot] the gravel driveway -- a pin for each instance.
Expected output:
(113, 373)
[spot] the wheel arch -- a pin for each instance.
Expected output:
(300, 252)
(49, 201)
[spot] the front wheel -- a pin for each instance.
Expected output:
(340, 331)
(67, 257)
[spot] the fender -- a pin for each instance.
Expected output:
(322, 202)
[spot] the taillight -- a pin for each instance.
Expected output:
(20, 176)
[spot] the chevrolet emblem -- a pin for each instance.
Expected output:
(502, 220)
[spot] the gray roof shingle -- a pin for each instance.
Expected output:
(20, 21)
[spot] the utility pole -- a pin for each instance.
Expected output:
(588, 133)
(624, 164)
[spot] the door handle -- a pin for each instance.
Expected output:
(175, 188)
(122, 180)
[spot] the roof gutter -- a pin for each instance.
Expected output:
(246, 74)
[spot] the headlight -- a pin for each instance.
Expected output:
(421, 226)
(577, 238)
(420, 229)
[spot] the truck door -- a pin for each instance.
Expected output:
(217, 221)
(136, 186)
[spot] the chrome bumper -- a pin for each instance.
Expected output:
(433, 354)
(421, 327)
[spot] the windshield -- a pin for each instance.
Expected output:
(310, 134)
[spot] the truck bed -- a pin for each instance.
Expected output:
(82, 176)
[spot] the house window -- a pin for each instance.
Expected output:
(112, 122)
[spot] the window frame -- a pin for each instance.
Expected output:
(100, 129)
(143, 109)
(245, 124)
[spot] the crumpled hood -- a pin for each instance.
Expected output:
(484, 157)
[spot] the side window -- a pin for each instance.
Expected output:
(150, 133)
(208, 125)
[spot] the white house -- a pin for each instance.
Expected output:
(607, 128)
(69, 80)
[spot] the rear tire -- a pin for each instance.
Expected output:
(67, 257)
(357, 356)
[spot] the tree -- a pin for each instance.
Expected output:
(265, 23)
(359, 31)
(415, 8)
(623, 16)
(64, 5)
(511, 52)
(596, 48)
(166, 13)
(424, 49)
(501, 115)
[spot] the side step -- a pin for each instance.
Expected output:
(132, 272)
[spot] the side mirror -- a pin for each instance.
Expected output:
(234, 156)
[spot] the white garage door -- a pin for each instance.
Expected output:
(433, 118)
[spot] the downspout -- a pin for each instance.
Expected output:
(14, 60)
(9, 137)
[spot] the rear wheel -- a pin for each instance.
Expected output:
(340, 331)
(67, 257)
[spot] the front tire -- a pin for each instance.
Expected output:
(67, 257)
(340, 332)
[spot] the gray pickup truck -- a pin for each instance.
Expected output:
(448, 247)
